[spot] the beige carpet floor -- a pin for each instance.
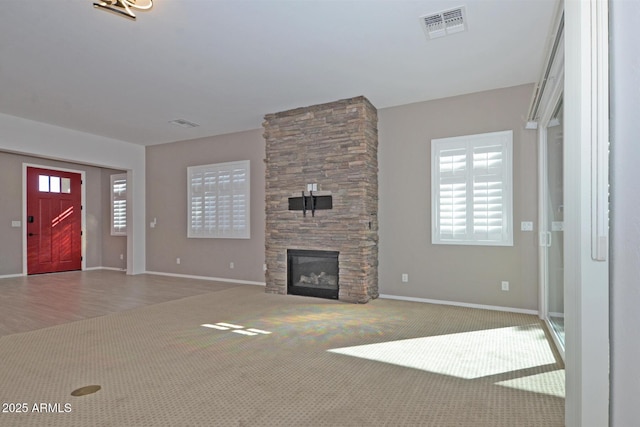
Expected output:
(274, 360)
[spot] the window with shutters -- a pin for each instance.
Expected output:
(219, 200)
(119, 205)
(471, 189)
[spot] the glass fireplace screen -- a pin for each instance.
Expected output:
(312, 273)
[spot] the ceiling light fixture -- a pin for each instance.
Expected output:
(123, 7)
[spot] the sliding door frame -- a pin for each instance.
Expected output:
(543, 209)
(553, 93)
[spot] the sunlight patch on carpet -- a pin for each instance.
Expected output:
(229, 325)
(238, 329)
(551, 383)
(243, 332)
(258, 331)
(218, 327)
(465, 355)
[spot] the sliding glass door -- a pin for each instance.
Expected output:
(551, 162)
(552, 234)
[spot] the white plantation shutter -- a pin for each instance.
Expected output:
(471, 189)
(119, 205)
(452, 199)
(219, 200)
(488, 200)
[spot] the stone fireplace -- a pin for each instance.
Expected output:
(322, 194)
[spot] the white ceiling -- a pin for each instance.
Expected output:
(224, 64)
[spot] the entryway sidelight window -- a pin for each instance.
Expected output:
(119, 204)
(219, 200)
(471, 189)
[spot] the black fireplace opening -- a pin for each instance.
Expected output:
(312, 273)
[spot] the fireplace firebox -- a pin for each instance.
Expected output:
(312, 273)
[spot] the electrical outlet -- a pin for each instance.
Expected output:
(405, 278)
(264, 267)
(232, 265)
(526, 226)
(121, 256)
(177, 260)
(505, 285)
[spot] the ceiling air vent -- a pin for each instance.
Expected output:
(444, 23)
(184, 123)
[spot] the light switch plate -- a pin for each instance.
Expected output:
(16, 224)
(526, 226)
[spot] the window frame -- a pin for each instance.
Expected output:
(470, 144)
(118, 199)
(234, 212)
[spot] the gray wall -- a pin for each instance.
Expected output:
(167, 202)
(625, 213)
(11, 210)
(468, 274)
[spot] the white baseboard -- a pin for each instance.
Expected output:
(461, 304)
(104, 268)
(216, 279)
(8, 276)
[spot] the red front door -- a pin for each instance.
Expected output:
(54, 225)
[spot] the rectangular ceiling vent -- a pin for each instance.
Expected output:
(184, 123)
(444, 23)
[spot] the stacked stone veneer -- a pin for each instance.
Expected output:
(336, 146)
